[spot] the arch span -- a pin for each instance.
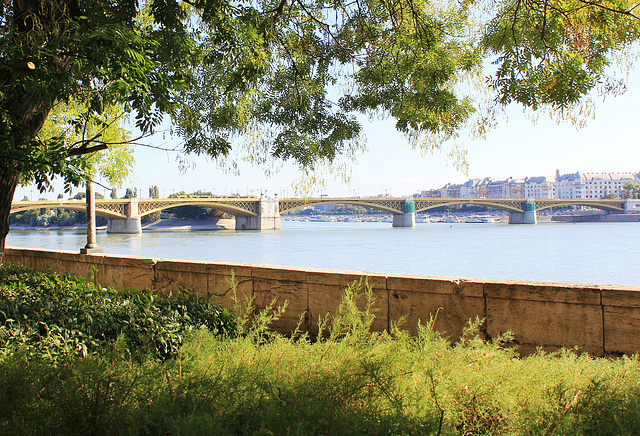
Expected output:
(105, 208)
(602, 204)
(244, 207)
(391, 205)
(506, 205)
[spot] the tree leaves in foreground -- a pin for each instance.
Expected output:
(554, 52)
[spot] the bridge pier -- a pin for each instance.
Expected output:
(529, 215)
(124, 225)
(129, 225)
(408, 218)
(268, 217)
(404, 220)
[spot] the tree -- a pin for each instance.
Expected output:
(552, 53)
(293, 75)
(131, 193)
(630, 190)
(154, 192)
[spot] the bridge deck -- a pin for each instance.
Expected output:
(243, 206)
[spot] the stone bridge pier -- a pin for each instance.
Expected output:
(268, 217)
(129, 225)
(408, 218)
(529, 215)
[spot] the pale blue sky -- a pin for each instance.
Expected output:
(516, 148)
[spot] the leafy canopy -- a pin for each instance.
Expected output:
(289, 77)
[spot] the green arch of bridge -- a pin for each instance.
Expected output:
(355, 202)
(473, 201)
(223, 207)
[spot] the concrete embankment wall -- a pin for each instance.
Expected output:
(597, 218)
(600, 320)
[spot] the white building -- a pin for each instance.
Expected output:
(599, 185)
(516, 188)
(469, 189)
(569, 186)
(498, 188)
(539, 187)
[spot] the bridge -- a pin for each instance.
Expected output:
(254, 213)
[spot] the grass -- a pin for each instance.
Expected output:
(348, 380)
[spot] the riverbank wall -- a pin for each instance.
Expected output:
(597, 218)
(599, 320)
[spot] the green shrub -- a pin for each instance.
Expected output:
(59, 315)
(346, 381)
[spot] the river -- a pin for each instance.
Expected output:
(602, 253)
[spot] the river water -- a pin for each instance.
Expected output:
(601, 253)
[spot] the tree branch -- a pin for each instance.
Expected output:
(86, 150)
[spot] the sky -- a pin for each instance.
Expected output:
(515, 148)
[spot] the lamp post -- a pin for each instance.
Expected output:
(92, 245)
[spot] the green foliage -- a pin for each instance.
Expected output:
(75, 125)
(289, 79)
(555, 52)
(631, 190)
(318, 66)
(347, 381)
(193, 212)
(131, 193)
(154, 192)
(43, 313)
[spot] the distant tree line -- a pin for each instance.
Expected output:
(56, 217)
(64, 217)
(193, 212)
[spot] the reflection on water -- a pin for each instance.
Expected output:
(585, 252)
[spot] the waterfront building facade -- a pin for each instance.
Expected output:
(569, 186)
(573, 186)
(539, 187)
(516, 188)
(602, 184)
(498, 188)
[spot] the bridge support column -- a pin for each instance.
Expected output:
(124, 225)
(529, 215)
(408, 218)
(268, 217)
(129, 225)
(404, 220)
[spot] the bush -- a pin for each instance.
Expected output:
(59, 315)
(348, 380)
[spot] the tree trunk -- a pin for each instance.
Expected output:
(9, 179)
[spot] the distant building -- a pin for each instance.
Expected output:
(516, 188)
(498, 188)
(444, 191)
(431, 193)
(592, 185)
(569, 186)
(602, 184)
(482, 188)
(539, 187)
(469, 189)
(574, 186)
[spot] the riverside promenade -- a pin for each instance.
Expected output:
(599, 320)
